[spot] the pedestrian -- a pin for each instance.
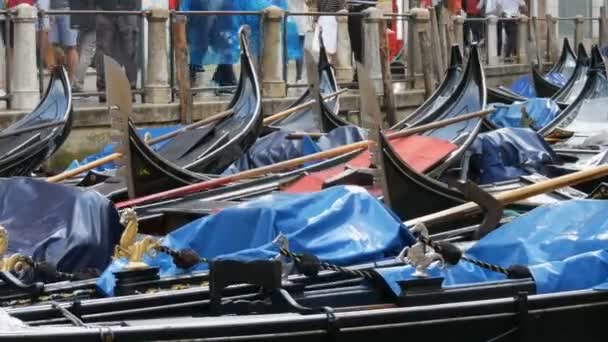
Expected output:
(473, 26)
(355, 23)
(117, 37)
(304, 25)
(87, 37)
(328, 25)
(493, 7)
(63, 35)
(510, 11)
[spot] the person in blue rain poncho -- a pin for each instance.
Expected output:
(214, 39)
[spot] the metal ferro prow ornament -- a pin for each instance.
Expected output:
(14, 263)
(129, 247)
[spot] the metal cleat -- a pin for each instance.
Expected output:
(282, 242)
(419, 255)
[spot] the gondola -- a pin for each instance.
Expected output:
(503, 95)
(29, 142)
(218, 145)
(570, 91)
(441, 95)
(339, 304)
(304, 120)
(412, 194)
(578, 117)
(564, 66)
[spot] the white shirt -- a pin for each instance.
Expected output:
(304, 23)
(510, 7)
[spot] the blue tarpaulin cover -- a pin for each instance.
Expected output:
(564, 245)
(524, 85)
(508, 153)
(277, 147)
(344, 225)
(65, 226)
(541, 111)
(214, 39)
(109, 149)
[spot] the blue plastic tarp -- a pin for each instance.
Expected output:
(109, 149)
(65, 226)
(277, 147)
(564, 245)
(214, 39)
(524, 85)
(540, 111)
(508, 153)
(343, 225)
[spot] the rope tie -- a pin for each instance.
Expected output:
(453, 255)
(312, 265)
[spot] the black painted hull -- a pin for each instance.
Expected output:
(224, 143)
(441, 95)
(571, 90)
(304, 120)
(21, 154)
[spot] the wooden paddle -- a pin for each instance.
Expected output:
(516, 195)
(115, 156)
(217, 117)
(285, 165)
(439, 124)
(206, 185)
(32, 128)
(280, 115)
(84, 168)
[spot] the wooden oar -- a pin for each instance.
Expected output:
(439, 124)
(115, 156)
(516, 195)
(278, 116)
(288, 164)
(217, 117)
(206, 185)
(32, 128)
(84, 168)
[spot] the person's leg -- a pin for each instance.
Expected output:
(128, 32)
(499, 36)
(105, 39)
(355, 33)
(300, 61)
(511, 38)
(86, 44)
(68, 40)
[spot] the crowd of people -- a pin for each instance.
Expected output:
(477, 10)
(75, 40)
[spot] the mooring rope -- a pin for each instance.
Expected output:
(453, 254)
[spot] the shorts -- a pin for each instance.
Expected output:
(61, 31)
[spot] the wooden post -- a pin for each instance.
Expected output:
(273, 84)
(459, 32)
(522, 39)
(387, 81)
(445, 54)
(422, 18)
(579, 30)
(181, 65)
(343, 64)
(603, 26)
(535, 29)
(552, 49)
(411, 52)
(492, 40)
(438, 63)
